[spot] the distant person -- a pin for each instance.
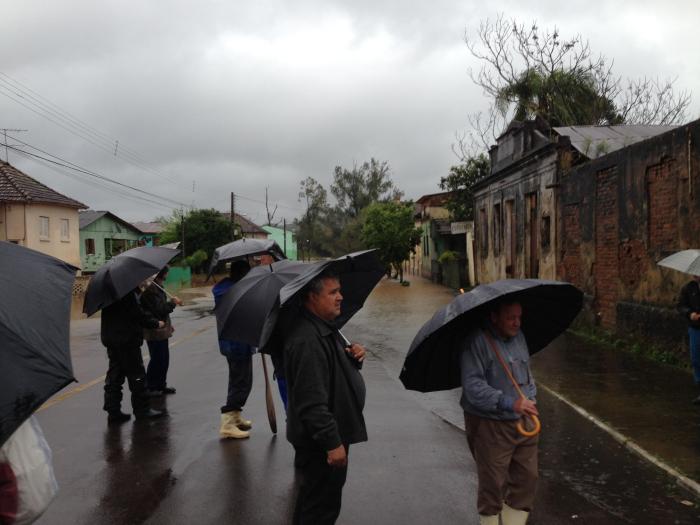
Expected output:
(506, 461)
(326, 398)
(122, 333)
(689, 307)
(239, 357)
(155, 301)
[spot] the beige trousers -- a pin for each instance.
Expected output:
(506, 464)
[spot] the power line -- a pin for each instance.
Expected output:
(72, 166)
(43, 107)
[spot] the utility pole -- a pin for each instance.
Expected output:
(4, 131)
(233, 216)
(284, 232)
(182, 223)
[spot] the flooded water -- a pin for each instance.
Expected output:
(189, 297)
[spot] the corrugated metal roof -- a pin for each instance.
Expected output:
(148, 227)
(596, 141)
(16, 186)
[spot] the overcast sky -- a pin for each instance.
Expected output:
(209, 97)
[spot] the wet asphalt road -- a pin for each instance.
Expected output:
(415, 468)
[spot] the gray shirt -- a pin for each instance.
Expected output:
(486, 389)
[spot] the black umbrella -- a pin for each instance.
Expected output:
(359, 273)
(432, 361)
(124, 272)
(242, 311)
(245, 248)
(34, 330)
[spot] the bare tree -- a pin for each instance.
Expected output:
(270, 216)
(527, 71)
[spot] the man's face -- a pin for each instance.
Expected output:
(506, 321)
(326, 303)
(266, 259)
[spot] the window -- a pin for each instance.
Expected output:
(483, 232)
(497, 229)
(65, 230)
(89, 246)
(44, 228)
(546, 232)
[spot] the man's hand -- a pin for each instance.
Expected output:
(177, 301)
(694, 316)
(161, 324)
(525, 406)
(337, 457)
(357, 351)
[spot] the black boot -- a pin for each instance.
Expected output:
(118, 417)
(149, 414)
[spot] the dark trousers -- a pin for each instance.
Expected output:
(240, 382)
(125, 363)
(506, 464)
(157, 370)
(321, 490)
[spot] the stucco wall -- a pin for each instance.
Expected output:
(21, 223)
(535, 177)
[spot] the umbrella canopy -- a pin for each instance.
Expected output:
(34, 330)
(686, 261)
(432, 362)
(242, 311)
(124, 272)
(244, 248)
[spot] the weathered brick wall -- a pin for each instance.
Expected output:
(619, 215)
(606, 265)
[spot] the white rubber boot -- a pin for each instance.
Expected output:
(488, 520)
(243, 424)
(511, 516)
(229, 429)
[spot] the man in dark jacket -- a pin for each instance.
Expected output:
(689, 308)
(326, 398)
(122, 333)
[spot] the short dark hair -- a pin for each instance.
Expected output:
(316, 284)
(498, 305)
(238, 269)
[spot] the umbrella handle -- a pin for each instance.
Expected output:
(529, 433)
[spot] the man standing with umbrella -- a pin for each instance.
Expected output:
(689, 307)
(506, 460)
(326, 399)
(122, 328)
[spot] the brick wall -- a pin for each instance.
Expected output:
(662, 188)
(570, 266)
(606, 267)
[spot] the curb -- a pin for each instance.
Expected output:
(627, 442)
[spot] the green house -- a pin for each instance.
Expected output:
(102, 236)
(277, 235)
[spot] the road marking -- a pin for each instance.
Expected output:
(70, 393)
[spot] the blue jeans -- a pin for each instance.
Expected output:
(694, 334)
(158, 365)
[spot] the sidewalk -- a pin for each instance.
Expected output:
(645, 405)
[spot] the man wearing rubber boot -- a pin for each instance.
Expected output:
(494, 359)
(122, 328)
(326, 395)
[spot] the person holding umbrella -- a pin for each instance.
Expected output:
(154, 301)
(122, 326)
(326, 396)
(506, 460)
(689, 308)
(239, 357)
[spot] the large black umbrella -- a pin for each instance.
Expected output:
(242, 311)
(432, 362)
(245, 248)
(34, 332)
(124, 272)
(359, 273)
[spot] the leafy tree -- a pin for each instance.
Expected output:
(389, 227)
(529, 72)
(310, 230)
(204, 230)
(460, 182)
(357, 188)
